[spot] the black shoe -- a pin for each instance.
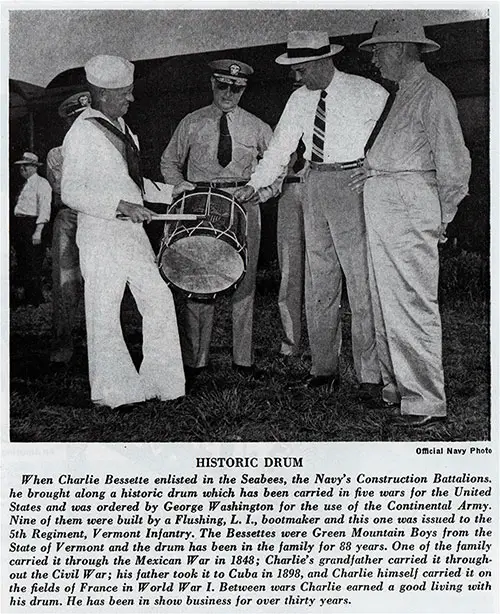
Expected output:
(128, 408)
(377, 402)
(57, 366)
(368, 392)
(412, 420)
(417, 422)
(249, 371)
(329, 382)
(125, 408)
(193, 372)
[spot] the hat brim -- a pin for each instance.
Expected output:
(428, 46)
(28, 163)
(243, 81)
(286, 60)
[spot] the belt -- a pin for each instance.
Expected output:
(372, 172)
(293, 180)
(221, 184)
(25, 215)
(336, 166)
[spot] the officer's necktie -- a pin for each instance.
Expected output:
(224, 151)
(318, 141)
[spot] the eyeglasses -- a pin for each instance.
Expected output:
(235, 89)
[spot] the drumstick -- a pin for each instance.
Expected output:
(169, 217)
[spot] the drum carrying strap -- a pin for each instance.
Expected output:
(125, 145)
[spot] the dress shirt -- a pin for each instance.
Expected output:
(196, 139)
(54, 168)
(35, 199)
(353, 105)
(422, 133)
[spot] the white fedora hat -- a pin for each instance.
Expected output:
(406, 28)
(306, 46)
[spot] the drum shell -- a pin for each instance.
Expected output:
(206, 258)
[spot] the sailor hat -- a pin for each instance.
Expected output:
(109, 72)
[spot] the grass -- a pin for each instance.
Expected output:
(223, 406)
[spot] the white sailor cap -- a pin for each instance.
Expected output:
(109, 72)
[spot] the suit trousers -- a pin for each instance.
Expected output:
(67, 284)
(403, 217)
(291, 258)
(196, 332)
(335, 236)
(109, 262)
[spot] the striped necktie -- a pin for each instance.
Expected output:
(318, 141)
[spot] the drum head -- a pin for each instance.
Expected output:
(201, 265)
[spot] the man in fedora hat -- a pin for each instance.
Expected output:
(66, 275)
(220, 144)
(31, 214)
(334, 113)
(102, 180)
(416, 173)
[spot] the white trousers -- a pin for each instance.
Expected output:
(110, 262)
(291, 258)
(403, 216)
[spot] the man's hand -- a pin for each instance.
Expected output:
(183, 186)
(359, 176)
(134, 212)
(247, 194)
(37, 236)
(442, 233)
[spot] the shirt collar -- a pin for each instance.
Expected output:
(90, 112)
(413, 75)
(230, 115)
(337, 79)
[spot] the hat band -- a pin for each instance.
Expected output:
(307, 52)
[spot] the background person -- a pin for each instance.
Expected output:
(31, 215)
(290, 243)
(66, 276)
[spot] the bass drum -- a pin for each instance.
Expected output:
(205, 258)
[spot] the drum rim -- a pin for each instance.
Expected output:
(202, 296)
(240, 249)
(215, 191)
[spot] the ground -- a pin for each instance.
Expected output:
(224, 406)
